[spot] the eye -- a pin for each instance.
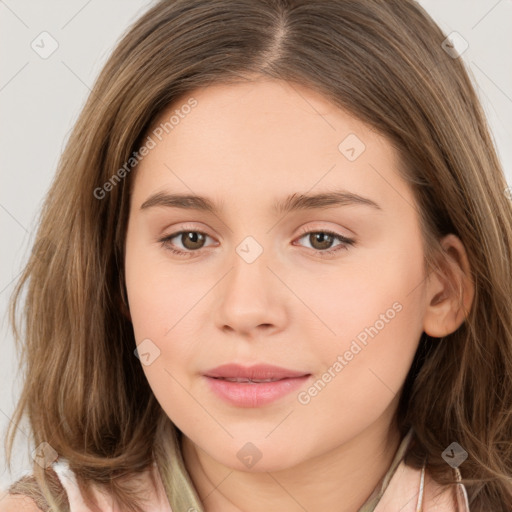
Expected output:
(321, 241)
(192, 241)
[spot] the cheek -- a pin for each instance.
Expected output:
(160, 294)
(376, 312)
(160, 306)
(373, 294)
(164, 301)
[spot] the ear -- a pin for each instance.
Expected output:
(450, 290)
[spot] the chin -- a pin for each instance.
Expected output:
(258, 457)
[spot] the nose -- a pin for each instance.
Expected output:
(251, 299)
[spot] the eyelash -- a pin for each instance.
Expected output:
(344, 245)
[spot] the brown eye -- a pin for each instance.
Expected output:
(185, 242)
(192, 239)
(321, 240)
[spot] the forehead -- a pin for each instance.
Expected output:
(266, 135)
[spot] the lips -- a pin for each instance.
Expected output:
(251, 381)
(253, 386)
(256, 373)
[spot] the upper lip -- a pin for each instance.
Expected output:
(259, 371)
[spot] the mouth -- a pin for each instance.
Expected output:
(256, 373)
(254, 386)
(248, 381)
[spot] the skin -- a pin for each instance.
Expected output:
(244, 146)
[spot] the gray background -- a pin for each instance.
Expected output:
(40, 100)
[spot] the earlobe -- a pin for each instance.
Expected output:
(450, 290)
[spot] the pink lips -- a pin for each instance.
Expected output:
(242, 386)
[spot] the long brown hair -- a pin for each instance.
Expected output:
(381, 61)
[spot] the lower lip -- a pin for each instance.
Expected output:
(244, 394)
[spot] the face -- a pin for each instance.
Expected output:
(331, 289)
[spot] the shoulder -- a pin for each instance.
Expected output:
(25, 495)
(17, 503)
(408, 492)
(444, 498)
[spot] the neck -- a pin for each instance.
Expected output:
(341, 479)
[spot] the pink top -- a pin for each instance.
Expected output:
(409, 490)
(401, 489)
(157, 502)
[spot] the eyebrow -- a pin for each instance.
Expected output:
(291, 203)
